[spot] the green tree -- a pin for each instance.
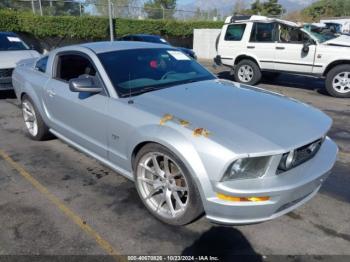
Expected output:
(158, 9)
(268, 8)
(61, 7)
(239, 7)
(327, 8)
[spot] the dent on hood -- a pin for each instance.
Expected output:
(196, 131)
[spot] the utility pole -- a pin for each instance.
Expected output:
(33, 7)
(40, 8)
(111, 33)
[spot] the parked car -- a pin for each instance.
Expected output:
(12, 50)
(156, 39)
(252, 46)
(191, 143)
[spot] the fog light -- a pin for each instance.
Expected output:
(242, 199)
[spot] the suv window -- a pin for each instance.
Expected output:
(292, 35)
(235, 32)
(73, 66)
(263, 32)
(41, 64)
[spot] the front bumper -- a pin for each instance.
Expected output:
(287, 191)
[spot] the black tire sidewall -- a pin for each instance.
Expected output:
(195, 206)
(329, 80)
(256, 72)
(43, 130)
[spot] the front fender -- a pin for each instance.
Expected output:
(179, 144)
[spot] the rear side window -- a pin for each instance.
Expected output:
(41, 64)
(263, 32)
(235, 32)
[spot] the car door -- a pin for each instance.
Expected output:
(262, 44)
(289, 50)
(80, 117)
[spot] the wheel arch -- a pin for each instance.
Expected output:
(334, 64)
(183, 149)
(242, 57)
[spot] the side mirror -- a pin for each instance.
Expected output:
(306, 47)
(84, 84)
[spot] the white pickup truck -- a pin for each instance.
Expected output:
(251, 45)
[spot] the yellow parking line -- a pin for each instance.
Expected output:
(58, 203)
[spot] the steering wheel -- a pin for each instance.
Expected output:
(165, 76)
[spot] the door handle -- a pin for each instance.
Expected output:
(51, 93)
(250, 47)
(280, 48)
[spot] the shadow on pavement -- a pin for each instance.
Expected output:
(287, 80)
(226, 243)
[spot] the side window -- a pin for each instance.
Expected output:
(292, 35)
(263, 32)
(73, 66)
(41, 64)
(235, 32)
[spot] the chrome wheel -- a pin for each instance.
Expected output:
(162, 185)
(245, 73)
(341, 82)
(30, 119)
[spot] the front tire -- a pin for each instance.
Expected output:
(338, 81)
(247, 72)
(35, 126)
(165, 186)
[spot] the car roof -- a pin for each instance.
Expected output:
(8, 34)
(108, 46)
(258, 18)
(144, 35)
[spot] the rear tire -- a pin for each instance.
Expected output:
(338, 81)
(247, 72)
(35, 126)
(166, 188)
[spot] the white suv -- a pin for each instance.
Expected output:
(255, 44)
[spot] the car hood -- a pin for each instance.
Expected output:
(9, 59)
(242, 118)
(343, 40)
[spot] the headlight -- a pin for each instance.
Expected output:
(244, 168)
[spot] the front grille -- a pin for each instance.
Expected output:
(302, 154)
(6, 72)
(307, 152)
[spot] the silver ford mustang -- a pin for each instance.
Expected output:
(192, 143)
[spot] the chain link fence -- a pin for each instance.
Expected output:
(100, 8)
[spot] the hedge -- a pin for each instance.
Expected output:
(90, 27)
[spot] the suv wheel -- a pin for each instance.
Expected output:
(247, 72)
(338, 81)
(36, 128)
(165, 186)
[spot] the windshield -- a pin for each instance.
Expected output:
(322, 34)
(138, 71)
(12, 43)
